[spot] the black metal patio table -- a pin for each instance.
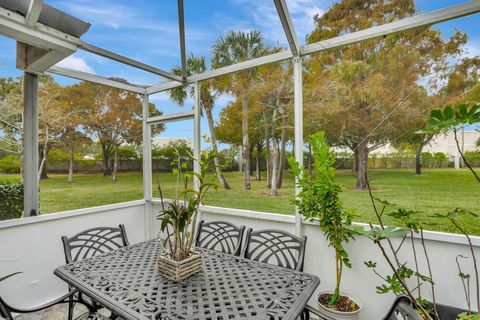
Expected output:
(127, 282)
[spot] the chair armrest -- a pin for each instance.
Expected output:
(66, 298)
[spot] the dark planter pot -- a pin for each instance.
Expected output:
(448, 312)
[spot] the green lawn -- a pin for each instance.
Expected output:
(436, 191)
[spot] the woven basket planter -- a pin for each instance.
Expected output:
(179, 271)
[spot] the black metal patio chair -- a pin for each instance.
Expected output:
(402, 309)
(7, 311)
(90, 243)
(220, 236)
(276, 247)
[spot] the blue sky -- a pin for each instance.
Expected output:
(148, 31)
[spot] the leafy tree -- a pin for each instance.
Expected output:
(274, 94)
(320, 199)
(51, 118)
(112, 117)
(10, 115)
(208, 95)
(455, 119)
(236, 47)
(72, 135)
(462, 82)
(368, 90)
(174, 151)
(229, 129)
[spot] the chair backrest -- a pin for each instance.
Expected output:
(402, 309)
(5, 310)
(94, 241)
(220, 236)
(276, 247)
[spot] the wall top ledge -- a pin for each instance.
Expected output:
(290, 219)
(68, 214)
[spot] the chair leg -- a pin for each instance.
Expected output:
(70, 308)
(306, 314)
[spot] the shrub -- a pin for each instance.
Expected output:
(440, 159)
(473, 158)
(127, 153)
(10, 164)
(11, 200)
(427, 159)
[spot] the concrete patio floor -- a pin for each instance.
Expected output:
(58, 312)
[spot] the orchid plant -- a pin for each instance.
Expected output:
(178, 219)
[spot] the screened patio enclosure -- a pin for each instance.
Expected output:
(45, 36)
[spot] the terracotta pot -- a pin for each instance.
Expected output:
(339, 314)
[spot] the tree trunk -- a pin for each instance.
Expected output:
(258, 176)
(418, 160)
(106, 150)
(355, 160)
(283, 153)
(267, 151)
(213, 137)
(240, 160)
(42, 170)
(44, 167)
(309, 159)
(418, 155)
(275, 161)
(245, 144)
(70, 165)
(115, 163)
(362, 151)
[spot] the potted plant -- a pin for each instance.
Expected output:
(400, 280)
(406, 278)
(178, 221)
(319, 200)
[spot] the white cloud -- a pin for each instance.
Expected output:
(266, 18)
(76, 63)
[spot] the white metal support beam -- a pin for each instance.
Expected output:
(196, 131)
(298, 116)
(423, 20)
(140, 65)
(34, 10)
(275, 57)
(80, 75)
(30, 144)
(13, 25)
(147, 151)
(179, 116)
(181, 31)
(164, 86)
(147, 168)
(36, 60)
(288, 26)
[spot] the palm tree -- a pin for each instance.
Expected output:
(236, 47)
(208, 94)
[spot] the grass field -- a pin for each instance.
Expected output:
(436, 191)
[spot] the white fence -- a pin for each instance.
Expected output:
(33, 246)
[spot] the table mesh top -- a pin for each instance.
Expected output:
(127, 282)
